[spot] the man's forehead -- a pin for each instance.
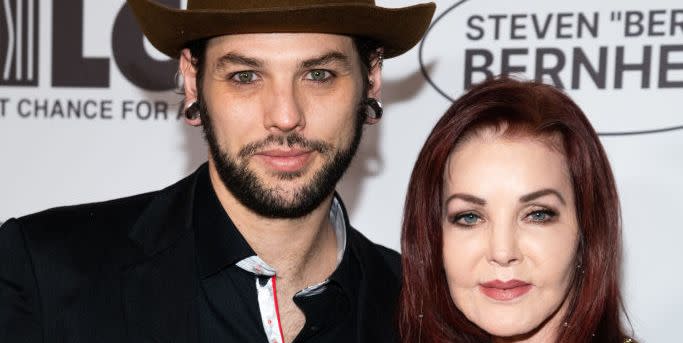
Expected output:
(299, 46)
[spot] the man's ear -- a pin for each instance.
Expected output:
(189, 73)
(375, 78)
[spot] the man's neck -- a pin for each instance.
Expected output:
(301, 250)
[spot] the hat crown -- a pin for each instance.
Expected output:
(236, 5)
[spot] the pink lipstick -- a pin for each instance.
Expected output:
(505, 290)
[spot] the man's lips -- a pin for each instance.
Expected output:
(505, 290)
(284, 152)
(285, 160)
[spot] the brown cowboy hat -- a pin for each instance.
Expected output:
(170, 29)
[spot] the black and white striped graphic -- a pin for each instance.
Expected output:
(19, 42)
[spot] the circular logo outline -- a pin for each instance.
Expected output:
(429, 80)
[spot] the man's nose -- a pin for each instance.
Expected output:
(284, 111)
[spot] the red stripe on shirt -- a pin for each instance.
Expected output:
(277, 309)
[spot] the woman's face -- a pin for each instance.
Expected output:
(510, 234)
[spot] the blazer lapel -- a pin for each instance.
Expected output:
(377, 295)
(160, 286)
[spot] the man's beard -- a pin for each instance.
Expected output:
(266, 201)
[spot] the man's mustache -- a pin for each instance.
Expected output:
(290, 140)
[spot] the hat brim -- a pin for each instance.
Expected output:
(396, 29)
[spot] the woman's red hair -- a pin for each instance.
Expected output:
(427, 313)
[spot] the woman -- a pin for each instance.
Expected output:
(512, 227)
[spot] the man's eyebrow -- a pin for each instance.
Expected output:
(540, 193)
(467, 197)
(332, 56)
(234, 58)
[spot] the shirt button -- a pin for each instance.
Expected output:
(314, 328)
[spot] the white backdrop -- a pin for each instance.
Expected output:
(123, 146)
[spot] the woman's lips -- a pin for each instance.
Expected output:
(505, 290)
(286, 161)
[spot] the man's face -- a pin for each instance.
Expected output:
(281, 117)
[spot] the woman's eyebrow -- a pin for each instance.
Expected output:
(540, 193)
(466, 197)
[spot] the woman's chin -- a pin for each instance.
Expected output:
(508, 328)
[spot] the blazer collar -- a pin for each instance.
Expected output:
(377, 287)
(219, 243)
(167, 218)
(160, 285)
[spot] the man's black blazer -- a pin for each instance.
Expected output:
(125, 271)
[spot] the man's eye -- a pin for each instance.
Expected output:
(244, 77)
(466, 219)
(541, 216)
(318, 75)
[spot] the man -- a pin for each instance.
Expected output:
(255, 246)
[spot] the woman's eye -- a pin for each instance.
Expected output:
(318, 75)
(466, 219)
(541, 216)
(244, 77)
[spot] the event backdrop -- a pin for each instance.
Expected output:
(87, 113)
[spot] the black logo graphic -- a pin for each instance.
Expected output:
(127, 46)
(19, 42)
